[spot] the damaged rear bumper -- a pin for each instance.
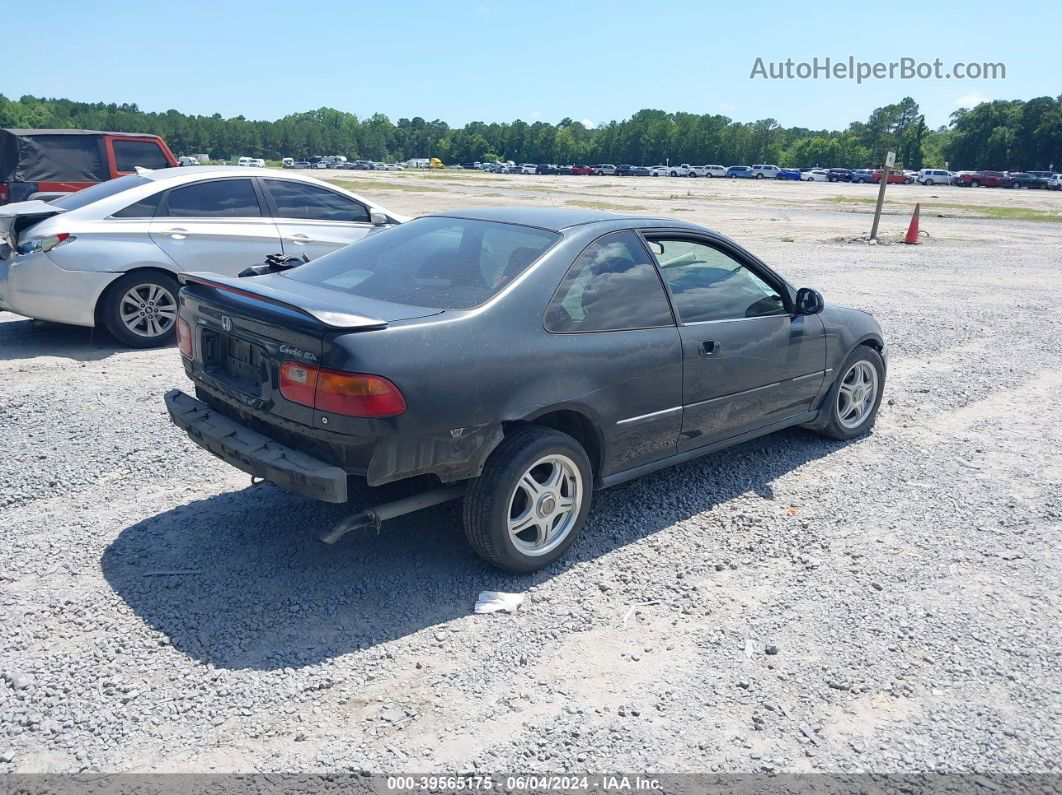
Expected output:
(255, 453)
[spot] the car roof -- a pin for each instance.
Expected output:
(218, 171)
(556, 218)
(30, 133)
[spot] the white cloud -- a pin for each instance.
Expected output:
(726, 107)
(587, 123)
(969, 100)
(536, 115)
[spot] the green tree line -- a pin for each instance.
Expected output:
(1003, 134)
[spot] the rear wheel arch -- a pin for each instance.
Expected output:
(101, 301)
(576, 424)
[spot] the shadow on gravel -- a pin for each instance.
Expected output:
(238, 580)
(26, 339)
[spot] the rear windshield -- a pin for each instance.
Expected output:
(443, 263)
(75, 201)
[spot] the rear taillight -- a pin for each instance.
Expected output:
(5, 193)
(350, 394)
(184, 338)
(298, 382)
(43, 244)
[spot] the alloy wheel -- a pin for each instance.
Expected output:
(148, 310)
(545, 504)
(857, 394)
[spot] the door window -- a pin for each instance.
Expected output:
(221, 198)
(611, 286)
(313, 203)
(708, 284)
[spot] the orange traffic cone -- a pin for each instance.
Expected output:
(912, 230)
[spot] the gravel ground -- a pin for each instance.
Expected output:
(794, 604)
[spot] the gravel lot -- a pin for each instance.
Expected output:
(795, 604)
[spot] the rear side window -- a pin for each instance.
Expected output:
(145, 208)
(130, 154)
(443, 263)
(310, 202)
(612, 286)
(222, 198)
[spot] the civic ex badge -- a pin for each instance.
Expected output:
(291, 350)
(226, 323)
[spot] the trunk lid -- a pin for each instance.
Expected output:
(16, 218)
(333, 309)
(244, 329)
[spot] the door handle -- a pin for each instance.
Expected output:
(710, 347)
(177, 233)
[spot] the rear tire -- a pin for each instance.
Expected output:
(526, 483)
(140, 309)
(852, 409)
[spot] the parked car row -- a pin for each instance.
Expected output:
(925, 176)
(1044, 180)
(341, 164)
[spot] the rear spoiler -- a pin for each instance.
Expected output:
(330, 316)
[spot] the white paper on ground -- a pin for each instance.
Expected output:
(493, 601)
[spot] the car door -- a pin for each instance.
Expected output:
(314, 220)
(215, 225)
(613, 328)
(749, 361)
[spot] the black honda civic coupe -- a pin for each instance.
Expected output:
(518, 359)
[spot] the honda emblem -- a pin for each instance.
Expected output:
(226, 323)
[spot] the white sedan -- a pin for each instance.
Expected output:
(110, 253)
(814, 175)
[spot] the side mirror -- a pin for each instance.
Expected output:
(808, 301)
(378, 218)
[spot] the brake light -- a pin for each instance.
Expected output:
(184, 338)
(358, 395)
(350, 394)
(44, 244)
(5, 193)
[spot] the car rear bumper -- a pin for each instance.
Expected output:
(255, 453)
(36, 287)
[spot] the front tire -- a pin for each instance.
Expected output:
(855, 396)
(530, 502)
(140, 309)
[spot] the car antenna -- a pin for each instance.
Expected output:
(550, 195)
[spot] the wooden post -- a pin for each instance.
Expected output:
(890, 158)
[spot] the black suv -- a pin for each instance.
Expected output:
(839, 174)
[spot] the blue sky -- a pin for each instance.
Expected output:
(493, 60)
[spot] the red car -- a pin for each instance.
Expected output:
(44, 164)
(895, 177)
(582, 170)
(990, 179)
